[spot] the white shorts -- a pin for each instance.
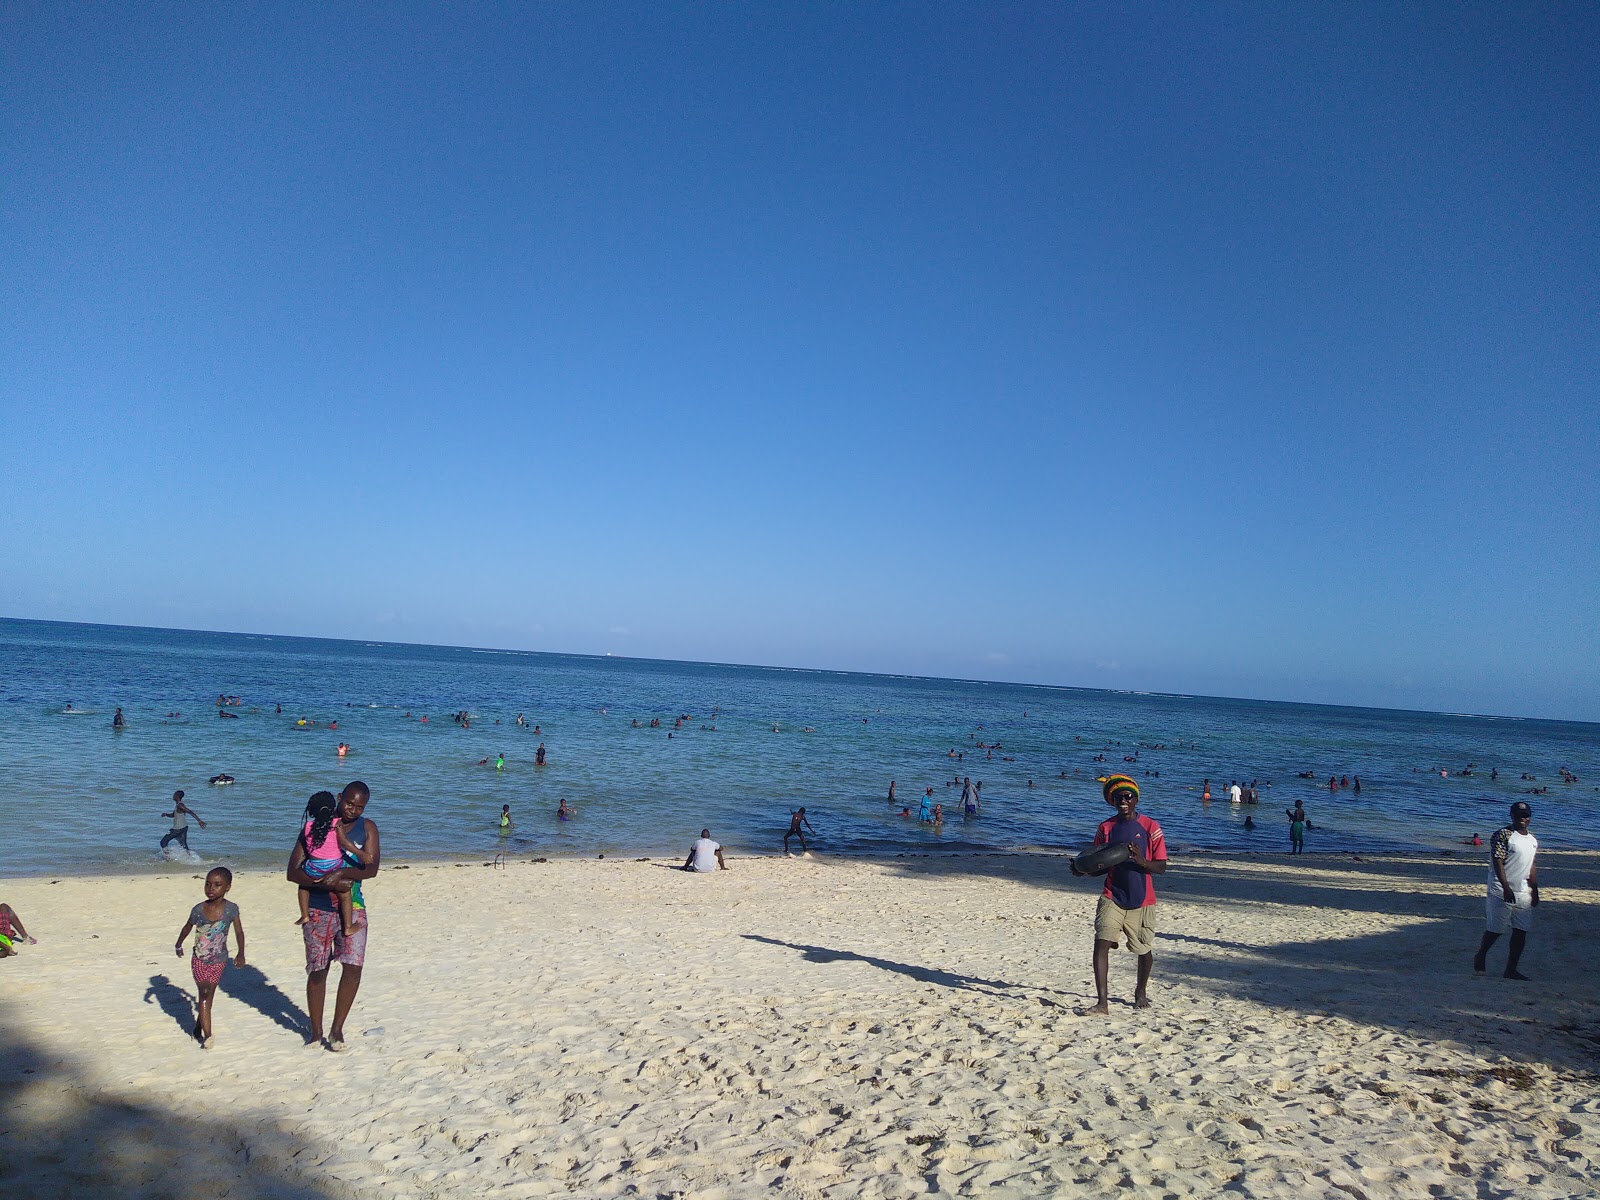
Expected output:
(1500, 917)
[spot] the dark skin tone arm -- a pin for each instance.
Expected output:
(1520, 824)
(340, 879)
(237, 928)
(1156, 866)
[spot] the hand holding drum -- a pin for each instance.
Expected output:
(1101, 859)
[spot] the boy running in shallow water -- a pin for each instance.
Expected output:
(326, 850)
(211, 919)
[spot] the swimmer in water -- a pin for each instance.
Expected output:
(505, 818)
(221, 780)
(564, 813)
(500, 762)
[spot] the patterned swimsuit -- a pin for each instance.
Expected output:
(211, 942)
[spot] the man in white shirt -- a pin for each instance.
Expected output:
(705, 855)
(1235, 792)
(1513, 889)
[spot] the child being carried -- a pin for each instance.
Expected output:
(327, 849)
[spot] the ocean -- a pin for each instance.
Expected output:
(753, 744)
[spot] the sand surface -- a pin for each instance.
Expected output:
(811, 1028)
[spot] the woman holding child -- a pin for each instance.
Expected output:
(327, 939)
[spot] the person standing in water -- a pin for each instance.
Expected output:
(1297, 827)
(180, 815)
(797, 819)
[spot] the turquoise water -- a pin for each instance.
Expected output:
(78, 794)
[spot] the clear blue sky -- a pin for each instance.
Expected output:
(1243, 349)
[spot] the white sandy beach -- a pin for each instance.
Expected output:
(810, 1028)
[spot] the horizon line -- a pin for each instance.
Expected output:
(1059, 687)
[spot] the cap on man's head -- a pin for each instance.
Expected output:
(1111, 786)
(1522, 809)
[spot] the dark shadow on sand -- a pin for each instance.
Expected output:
(173, 1000)
(65, 1137)
(248, 985)
(821, 954)
(1416, 979)
(245, 984)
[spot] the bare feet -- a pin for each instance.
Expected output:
(1140, 1000)
(1516, 975)
(1478, 964)
(1099, 1010)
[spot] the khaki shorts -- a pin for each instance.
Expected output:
(1138, 925)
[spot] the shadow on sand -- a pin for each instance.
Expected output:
(245, 984)
(1414, 975)
(66, 1138)
(821, 954)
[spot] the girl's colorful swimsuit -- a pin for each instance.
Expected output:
(211, 941)
(324, 856)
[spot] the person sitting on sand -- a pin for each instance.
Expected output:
(326, 846)
(12, 932)
(1127, 908)
(797, 819)
(705, 855)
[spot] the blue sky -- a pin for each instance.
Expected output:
(1244, 350)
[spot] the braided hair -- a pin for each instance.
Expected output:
(321, 810)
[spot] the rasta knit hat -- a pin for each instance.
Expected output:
(1110, 785)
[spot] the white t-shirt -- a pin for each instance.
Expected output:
(1235, 793)
(705, 854)
(1515, 850)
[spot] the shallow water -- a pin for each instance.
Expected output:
(80, 795)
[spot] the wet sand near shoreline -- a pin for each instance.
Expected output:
(816, 1028)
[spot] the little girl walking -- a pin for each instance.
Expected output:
(327, 849)
(211, 920)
